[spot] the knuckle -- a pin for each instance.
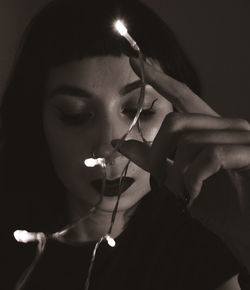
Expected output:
(173, 122)
(153, 77)
(214, 154)
(244, 124)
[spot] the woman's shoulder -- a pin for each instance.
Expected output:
(244, 279)
(184, 247)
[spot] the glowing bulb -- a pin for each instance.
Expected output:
(92, 162)
(25, 237)
(120, 27)
(110, 240)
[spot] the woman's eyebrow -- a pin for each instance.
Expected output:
(70, 91)
(130, 87)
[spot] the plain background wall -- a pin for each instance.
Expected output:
(215, 34)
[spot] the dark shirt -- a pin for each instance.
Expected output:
(162, 247)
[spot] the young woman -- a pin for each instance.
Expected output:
(72, 94)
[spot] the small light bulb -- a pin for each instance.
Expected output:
(92, 162)
(120, 27)
(110, 241)
(24, 236)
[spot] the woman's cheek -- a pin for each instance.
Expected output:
(68, 157)
(150, 128)
(68, 147)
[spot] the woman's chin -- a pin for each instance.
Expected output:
(128, 200)
(129, 197)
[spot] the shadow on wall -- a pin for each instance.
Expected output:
(216, 36)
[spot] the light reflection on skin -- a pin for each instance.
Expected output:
(87, 104)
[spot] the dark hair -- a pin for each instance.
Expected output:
(67, 30)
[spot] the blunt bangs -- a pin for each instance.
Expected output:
(69, 30)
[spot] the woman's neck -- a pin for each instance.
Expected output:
(96, 224)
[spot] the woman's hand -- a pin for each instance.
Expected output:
(202, 143)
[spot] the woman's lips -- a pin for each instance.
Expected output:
(112, 186)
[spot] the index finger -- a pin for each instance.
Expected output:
(179, 94)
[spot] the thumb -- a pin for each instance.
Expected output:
(138, 152)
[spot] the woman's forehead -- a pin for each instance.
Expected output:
(93, 73)
(96, 77)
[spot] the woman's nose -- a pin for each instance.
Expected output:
(110, 128)
(106, 150)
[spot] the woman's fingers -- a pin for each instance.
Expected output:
(182, 127)
(192, 143)
(195, 140)
(138, 152)
(196, 163)
(210, 160)
(185, 135)
(183, 99)
(191, 146)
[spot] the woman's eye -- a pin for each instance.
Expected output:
(75, 119)
(145, 114)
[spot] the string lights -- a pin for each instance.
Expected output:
(41, 238)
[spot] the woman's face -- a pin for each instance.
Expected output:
(87, 104)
